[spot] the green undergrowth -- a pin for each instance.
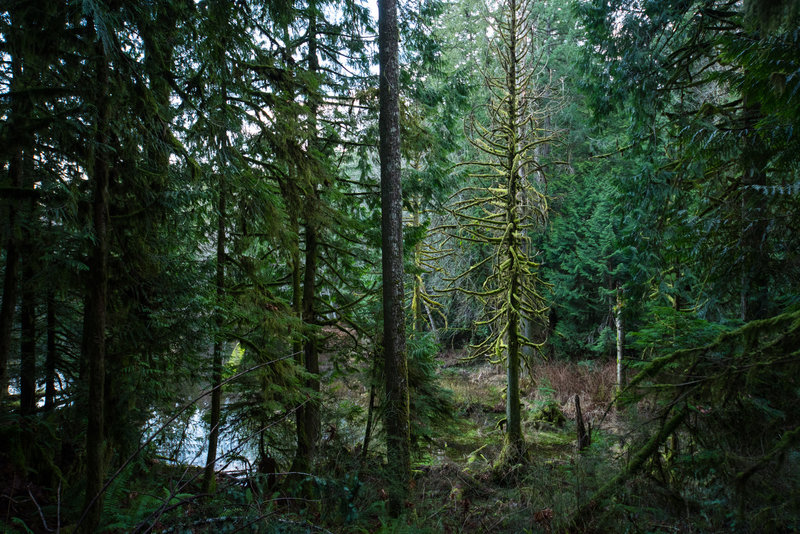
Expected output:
(457, 486)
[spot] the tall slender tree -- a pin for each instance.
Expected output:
(19, 136)
(221, 14)
(502, 213)
(215, 417)
(308, 413)
(394, 334)
(97, 281)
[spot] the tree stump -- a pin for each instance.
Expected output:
(584, 437)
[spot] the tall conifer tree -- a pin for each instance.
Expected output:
(394, 341)
(502, 213)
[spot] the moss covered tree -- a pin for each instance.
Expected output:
(506, 203)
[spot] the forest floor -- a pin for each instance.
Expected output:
(461, 489)
(456, 485)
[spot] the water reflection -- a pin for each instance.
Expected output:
(185, 442)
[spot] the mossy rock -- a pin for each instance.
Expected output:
(549, 414)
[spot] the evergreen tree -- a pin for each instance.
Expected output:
(396, 412)
(100, 166)
(711, 122)
(501, 213)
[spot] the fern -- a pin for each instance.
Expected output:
(113, 503)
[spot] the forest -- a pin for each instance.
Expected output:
(435, 266)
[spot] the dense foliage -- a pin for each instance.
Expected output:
(600, 201)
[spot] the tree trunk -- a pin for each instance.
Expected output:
(514, 438)
(417, 303)
(297, 345)
(97, 298)
(515, 443)
(308, 416)
(50, 358)
(216, 366)
(373, 383)
(755, 258)
(620, 340)
(394, 350)
(584, 438)
(19, 108)
(27, 353)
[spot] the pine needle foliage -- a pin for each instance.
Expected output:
(712, 87)
(725, 429)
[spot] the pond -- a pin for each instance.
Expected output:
(184, 441)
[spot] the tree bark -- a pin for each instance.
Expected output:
(308, 416)
(297, 344)
(19, 108)
(620, 327)
(50, 357)
(216, 366)
(97, 298)
(298, 348)
(755, 259)
(394, 341)
(515, 442)
(418, 319)
(584, 438)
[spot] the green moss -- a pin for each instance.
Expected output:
(549, 413)
(553, 440)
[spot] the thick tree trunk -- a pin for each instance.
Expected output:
(216, 366)
(308, 416)
(514, 438)
(298, 350)
(97, 298)
(297, 344)
(396, 408)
